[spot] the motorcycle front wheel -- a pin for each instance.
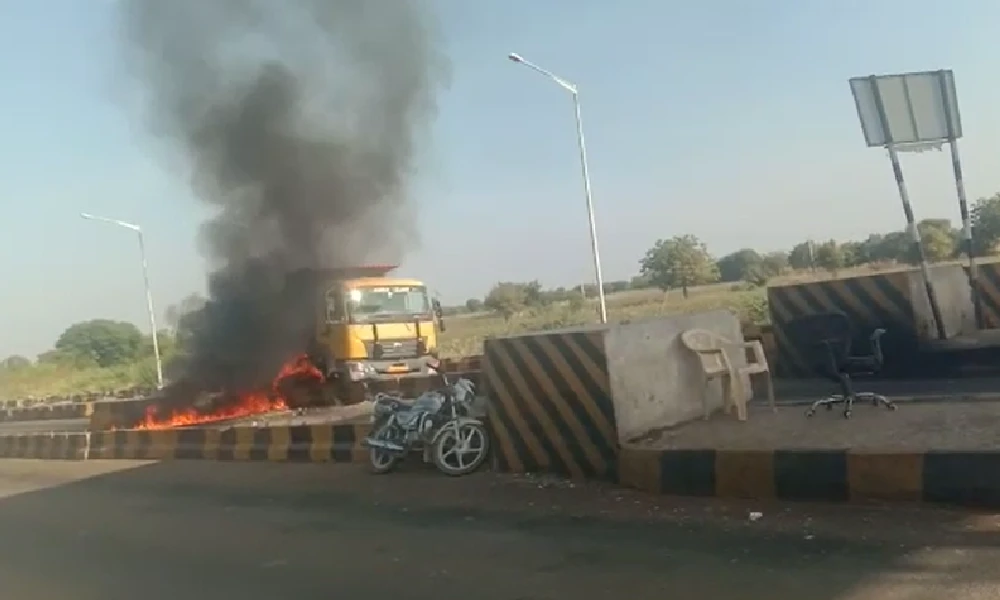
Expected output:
(460, 450)
(382, 461)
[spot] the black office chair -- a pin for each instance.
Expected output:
(825, 342)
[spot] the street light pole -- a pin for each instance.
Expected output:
(574, 91)
(149, 290)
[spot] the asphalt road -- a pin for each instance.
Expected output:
(110, 530)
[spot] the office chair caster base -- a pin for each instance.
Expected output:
(877, 400)
(830, 401)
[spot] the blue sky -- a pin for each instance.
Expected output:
(730, 120)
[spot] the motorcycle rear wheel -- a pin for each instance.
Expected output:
(453, 460)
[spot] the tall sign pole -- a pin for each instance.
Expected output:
(914, 112)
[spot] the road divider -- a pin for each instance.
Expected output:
(51, 446)
(297, 443)
(47, 412)
(969, 478)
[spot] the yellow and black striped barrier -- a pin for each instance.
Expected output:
(53, 412)
(947, 477)
(988, 284)
(296, 443)
(871, 302)
(51, 446)
(550, 406)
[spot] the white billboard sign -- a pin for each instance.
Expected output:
(910, 108)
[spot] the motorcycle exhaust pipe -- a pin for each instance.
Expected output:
(385, 445)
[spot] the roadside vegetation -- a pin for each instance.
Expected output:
(676, 275)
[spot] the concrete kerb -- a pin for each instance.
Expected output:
(299, 443)
(967, 478)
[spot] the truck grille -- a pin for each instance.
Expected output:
(405, 348)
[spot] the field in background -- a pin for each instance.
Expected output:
(465, 332)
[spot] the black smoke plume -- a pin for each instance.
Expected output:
(299, 122)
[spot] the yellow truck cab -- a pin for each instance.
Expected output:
(371, 326)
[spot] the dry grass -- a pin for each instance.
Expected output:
(464, 334)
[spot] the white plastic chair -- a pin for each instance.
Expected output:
(710, 348)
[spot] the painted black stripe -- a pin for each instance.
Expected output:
(687, 472)
(191, 443)
(897, 298)
(783, 296)
(839, 293)
(778, 306)
(227, 444)
(300, 442)
(544, 405)
(144, 443)
(966, 478)
(811, 475)
(523, 408)
(499, 412)
(605, 447)
(119, 440)
(813, 303)
(594, 389)
(877, 314)
(585, 342)
(343, 443)
(261, 443)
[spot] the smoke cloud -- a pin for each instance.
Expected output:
(299, 121)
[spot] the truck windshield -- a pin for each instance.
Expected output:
(379, 303)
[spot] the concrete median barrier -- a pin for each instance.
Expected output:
(47, 412)
(51, 446)
(968, 478)
(300, 443)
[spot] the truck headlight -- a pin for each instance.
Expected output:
(358, 371)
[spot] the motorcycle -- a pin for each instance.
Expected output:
(438, 423)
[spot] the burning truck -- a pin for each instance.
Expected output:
(369, 326)
(368, 330)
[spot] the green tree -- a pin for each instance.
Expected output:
(986, 225)
(939, 239)
(100, 342)
(895, 246)
(533, 295)
(15, 362)
(854, 253)
(613, 287)
(742, 265)
(640, 282)
(679, 262)
(775, 263)
(829, 256)
(801, 256)
(506, 298)
(473, 305)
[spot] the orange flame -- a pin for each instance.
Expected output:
(249, 404)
